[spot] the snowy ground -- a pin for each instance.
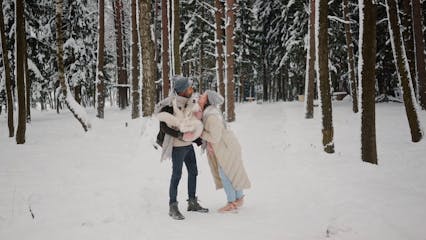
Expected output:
(109, 184)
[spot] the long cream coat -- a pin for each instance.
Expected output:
(227, 150)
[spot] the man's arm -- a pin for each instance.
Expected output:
(168, 130)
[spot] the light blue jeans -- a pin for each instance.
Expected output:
(231, 193)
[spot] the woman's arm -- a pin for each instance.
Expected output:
(212, 129)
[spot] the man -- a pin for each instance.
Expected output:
(180, 151)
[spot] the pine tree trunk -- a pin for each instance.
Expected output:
(176, 37)
(165, 46)
(20, 75)
(322, 73)
(8, 79)
(407, 35)
(367, 75)
(100, 80)
(419, 52)
(27, 77)
(219, 15)
(230, 23)
(351, 62)
(135, 70)
(310, 65)
(122, 81)
(201, 54)
(61, 72)
(148, 59)
(403, 70)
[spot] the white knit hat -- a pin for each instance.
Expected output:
(214, 97)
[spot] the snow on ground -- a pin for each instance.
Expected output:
(109, 184)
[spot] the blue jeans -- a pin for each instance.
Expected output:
(179, 156)
(231, 193)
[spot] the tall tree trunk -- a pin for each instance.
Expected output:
(407, 35)
(367, 76)
(201, 62)
(165, 46)
(176, 37)
(72, 105)
(230, 23)
(419, 52)
(122, 81)
(148, 59)
(219, 16)
(20, 75)
(27, 77)
(7, 75)
(135, 70)
(265, 66)
(310, 65)
(243, 78)
(351, 62)
(322, 73)
(403, 70)
(100, 79)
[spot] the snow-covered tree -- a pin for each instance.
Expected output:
(310, 64)
(229, 58)
(120, 48)
(419, 46)
(148, 58)
(7, 77)
(78, 112)
(403, 70)
(321, 61)
(100, 79)
(366, 73)
(19, 69)
(351, 60)
(134, 63)
(165, 47)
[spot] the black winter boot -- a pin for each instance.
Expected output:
(193, 205)
(174, 212)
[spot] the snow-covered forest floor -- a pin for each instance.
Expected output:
(109, 183)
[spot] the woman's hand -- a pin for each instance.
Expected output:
(198, 115)
(188, 136)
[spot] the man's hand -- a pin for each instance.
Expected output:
(198, 141)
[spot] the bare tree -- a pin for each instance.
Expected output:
(367, 76)
(19, 67)
(7, 76)
(310, 65)
(230, 65)
(148, 59)
(135, 70)
(165, 46)
(351, 62)
(419, 47)
(322, 73)
(403, 69)
(100, 79)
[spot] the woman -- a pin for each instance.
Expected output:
(223, 152)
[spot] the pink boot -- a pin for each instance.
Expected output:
(228, 208)
(239, 202)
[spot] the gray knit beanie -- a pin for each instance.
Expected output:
(214, 97)
(180, 84)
